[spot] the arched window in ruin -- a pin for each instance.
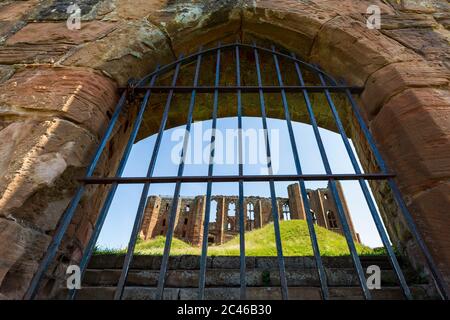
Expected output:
(229, 226)
(213, 211)
(332, 222)
(186, 221)
(164, 222)
(231, 209)
(286, 212)
(187, 208)
(250, 211)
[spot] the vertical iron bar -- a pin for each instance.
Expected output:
(109, 198)
(438, 278)
(312, 232)
(276, 224)
(202, 275)
(241, 183)
(334, 191)
(140, 211)
(367, 196)
(70, 211)
(176, 195)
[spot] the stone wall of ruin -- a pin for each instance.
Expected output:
(224, 224)
(58, 89)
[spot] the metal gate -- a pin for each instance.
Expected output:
(147, 86)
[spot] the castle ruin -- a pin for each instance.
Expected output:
(224, 222)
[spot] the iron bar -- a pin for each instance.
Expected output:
(368, 197)
(438, 278)
(234, 178)
(276, 224)
(140, 211)
(202, 275)
(335, 194)
(245, 89)
(109, 198)
(312, 232)
(70, 211)
(241, 183)
(209, 51)
(176, 194)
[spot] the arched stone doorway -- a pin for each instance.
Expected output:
(406, 117)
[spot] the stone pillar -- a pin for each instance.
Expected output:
(196, 224)
(177, 215)
(151, 215)
(346, 212)
(280, 209)
(258, 215)
(220, 219)
(296, 202)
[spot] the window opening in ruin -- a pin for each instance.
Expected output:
(286, 212)
(332, 219)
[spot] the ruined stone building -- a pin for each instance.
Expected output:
(224, 224)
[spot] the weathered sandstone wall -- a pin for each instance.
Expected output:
(58, 88)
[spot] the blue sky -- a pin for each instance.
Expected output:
(118, 225)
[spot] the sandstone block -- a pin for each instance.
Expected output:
(82, 96)
(392, 79)
(428, 42)
(129, 57)
(16, 10)
(37, 162)
(57, 32)
(347, 44)
(19, 255)
(413, 131)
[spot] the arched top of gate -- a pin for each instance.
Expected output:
(223, 47)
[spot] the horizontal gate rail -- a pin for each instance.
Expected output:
(245, 89)
(234, 178)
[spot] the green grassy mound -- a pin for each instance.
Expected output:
(259, 242)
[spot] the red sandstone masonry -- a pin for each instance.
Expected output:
(410, 124)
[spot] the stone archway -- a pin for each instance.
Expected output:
(56, 107)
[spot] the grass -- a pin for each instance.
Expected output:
(259, 242)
